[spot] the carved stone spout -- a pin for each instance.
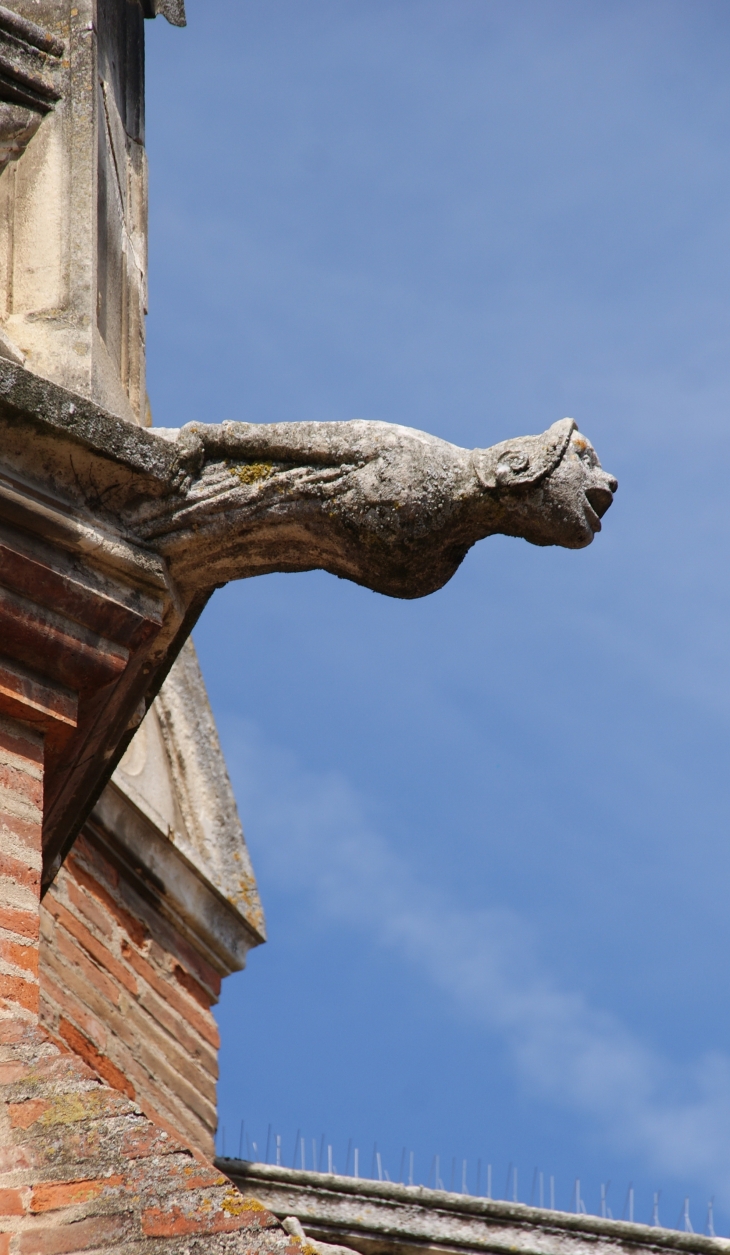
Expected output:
(113, 538)
(385, 506)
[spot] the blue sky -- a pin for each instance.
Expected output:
(491, 827)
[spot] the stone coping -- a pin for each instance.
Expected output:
(378, 1216)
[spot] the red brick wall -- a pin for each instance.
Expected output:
(123, 988)
(21, 816)
(81, 1167)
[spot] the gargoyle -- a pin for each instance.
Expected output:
(386, 506)
(113, 537)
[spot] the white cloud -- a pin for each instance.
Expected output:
(312, 835)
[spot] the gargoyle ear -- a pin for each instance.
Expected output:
(173, 10)
(190, 447)
(527, 460)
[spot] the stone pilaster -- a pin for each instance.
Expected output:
(73, 197)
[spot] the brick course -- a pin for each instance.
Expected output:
(129, 995)
(81, 1166)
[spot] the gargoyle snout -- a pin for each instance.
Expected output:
(600, 492)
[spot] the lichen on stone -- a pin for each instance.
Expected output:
(236, 1204)
(250, 472)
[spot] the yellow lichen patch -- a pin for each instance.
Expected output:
(250, 472)
(246, 898)
(235, 1204)
(70, 1108)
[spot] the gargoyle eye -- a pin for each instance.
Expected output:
(586, 452)
(515, 460)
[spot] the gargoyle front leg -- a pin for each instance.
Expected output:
(304, 444)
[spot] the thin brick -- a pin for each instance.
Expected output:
(24, 923)
(166, 1066)
(133, 1025)
(16, 989)
(12, 1202)
(136, 930)
(200, 1099)
(19, 870)
(96, 949)
(192, 986)
(80, 1235)
(164, 1088)
(67, 965)
(21, 838)
(16, 803)
(84, 903)
(207, 1029)
(180, 1104)
(23, 956)
(154, 1074)
(157, 932)
(175, 946)
(86, 850)
(22, 745)
(69, 948)
(182, 1101)
(176, 1024)
(23, 1114)
(53, 1195)
(55, 998)
(95, 1059)
(157, 1223)
(23, 779)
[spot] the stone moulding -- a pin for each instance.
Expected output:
(180, 892)
(30, 60)
(88, 616)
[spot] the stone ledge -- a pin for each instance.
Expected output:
(383, 1218)
(54, 410)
